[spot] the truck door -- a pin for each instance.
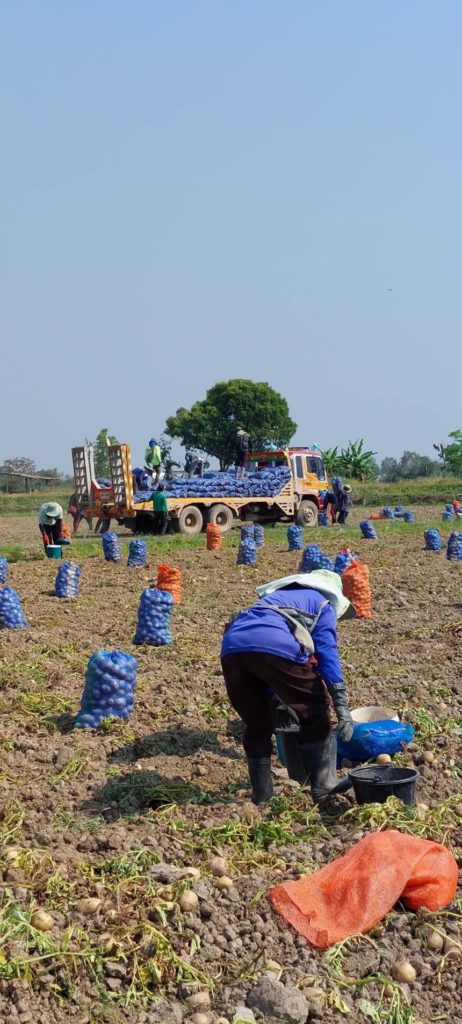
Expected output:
(298, 473)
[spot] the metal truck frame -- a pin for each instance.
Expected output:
(298, 501)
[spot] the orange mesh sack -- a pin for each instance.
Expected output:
(65, 532)
(213, 537)
(352, 893)
(169, 579)
(357, 588)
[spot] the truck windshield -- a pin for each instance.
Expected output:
(316, 465)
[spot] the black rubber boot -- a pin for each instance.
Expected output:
(260, 777)
(320, 763)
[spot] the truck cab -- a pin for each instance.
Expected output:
(308, 474)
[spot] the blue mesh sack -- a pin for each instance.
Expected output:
(446, 515)
(248, 531)
(259, 535)
(310, 558)
(294, 537)
(367, 530)
(449, 507)
(409, 517)
(154, 614)
(343, 560)
(67, 580)
(373, 738)
(388, 512)
(325, 562)
(247, 553)
(111, 547)
(454, 548)
(432, 540)
(323, 519)
(11, 613)
(109, 690)
(3, 570)
(399, 511)
(137, 551)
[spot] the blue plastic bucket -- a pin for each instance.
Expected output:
(53, 551)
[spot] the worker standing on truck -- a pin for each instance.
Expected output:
(159, 504)
(243, 450)
(153, 459)
(50, 522)
(263, 653)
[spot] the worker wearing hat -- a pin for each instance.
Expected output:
(153, 459)
(285, 645)
(51, 522)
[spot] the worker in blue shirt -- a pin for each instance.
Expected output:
(286, 645)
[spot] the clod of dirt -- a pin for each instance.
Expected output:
(280, 1002)
(42, 921)
(218, 866)
(199, 1001)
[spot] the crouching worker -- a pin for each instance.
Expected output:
(51, 522)
(285, 647)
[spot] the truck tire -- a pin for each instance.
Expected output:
(190, 520)
(307, 514)
(221, 516)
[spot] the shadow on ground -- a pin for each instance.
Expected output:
(174, 743)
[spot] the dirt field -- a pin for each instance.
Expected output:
(94, 814)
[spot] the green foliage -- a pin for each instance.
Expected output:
(357, 464)
(331, 460)
(451, 454)
(210, 425)
(410, 466)
(101, 454)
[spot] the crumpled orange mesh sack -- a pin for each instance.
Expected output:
(352, 893)
(65, 531)
(357, 588)
(213, 537)
(170, 579)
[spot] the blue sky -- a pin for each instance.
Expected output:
(197, 191)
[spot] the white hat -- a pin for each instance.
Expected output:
(322, 580)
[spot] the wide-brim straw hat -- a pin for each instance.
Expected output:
(323, 580)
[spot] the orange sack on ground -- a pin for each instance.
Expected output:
(352, 893)
(213, 537)
(170, 579)
(357, 588)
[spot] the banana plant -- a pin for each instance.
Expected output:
(357, 464)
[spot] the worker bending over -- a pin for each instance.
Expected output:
(50, 522)
(286, 645)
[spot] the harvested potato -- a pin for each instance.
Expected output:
(42, 921)
(188, 901)
(218, 866)
(404, 972)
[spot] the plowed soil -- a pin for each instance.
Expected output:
(93, 814)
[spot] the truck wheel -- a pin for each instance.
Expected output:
(221, 516)
(307, 514)
(190, 520)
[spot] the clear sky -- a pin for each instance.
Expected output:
(198, 190)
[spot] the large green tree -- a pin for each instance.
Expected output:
(210, 425)
(451, 454)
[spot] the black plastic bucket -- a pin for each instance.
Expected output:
(374, 783)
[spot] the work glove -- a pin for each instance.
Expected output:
(284, 718)
(345, 722)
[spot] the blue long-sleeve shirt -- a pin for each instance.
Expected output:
(258, 628)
